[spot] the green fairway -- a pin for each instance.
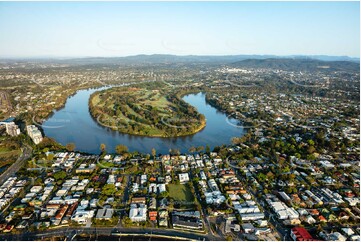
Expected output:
(149, 112)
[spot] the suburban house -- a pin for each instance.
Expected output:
(138, 212)
(183, 178)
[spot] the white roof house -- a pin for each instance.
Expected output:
(348, 231)
(107, 157)
(93, 203)
(36, 189)
(152, 188)
(62, 192)
(183, 178)
(143, 179)
(336, 236)
(161, 188)
(203, 175)
(138, 213)
(262, 223)
(135, 187)
(111, 179)
(105, 213)
(200, 163)
(81, 216)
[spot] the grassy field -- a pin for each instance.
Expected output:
(6, 153)
(180, 192)
(7, 157)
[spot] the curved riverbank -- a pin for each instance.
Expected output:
(74, 124)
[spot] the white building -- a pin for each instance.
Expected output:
(202, 175)
(82, 216)
(111, 179)
(138, 212)
(152, 188)
(12, 129)
(143, 179)
(161, 188)
(34, 133)
(327, 164)
(213, 185)
(183, 178)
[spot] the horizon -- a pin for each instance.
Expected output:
(266, 56)
(122, 29)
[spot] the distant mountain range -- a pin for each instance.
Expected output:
(265, 61)
(160, 58)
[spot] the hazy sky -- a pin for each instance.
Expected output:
(67, 29)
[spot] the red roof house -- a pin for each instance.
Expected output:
(301, 234)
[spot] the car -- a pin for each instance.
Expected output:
(115, 232)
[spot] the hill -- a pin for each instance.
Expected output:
(296, 64)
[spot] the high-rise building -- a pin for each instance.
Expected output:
(34, 133)
(12, 129)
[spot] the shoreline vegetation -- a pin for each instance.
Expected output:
(146, 110)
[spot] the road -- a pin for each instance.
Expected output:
(280, 228)
(207, 224)
(26, 154)
(107, 231)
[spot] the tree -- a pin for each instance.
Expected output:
(50, 156)
(177, 152)
(102, 147)
(192, 149)
(332, 144)
(126, 221)
(236, 140)
(121, 149)
(289, 190)
(163, 194)
(200, 149)
(60, 175)
(311, 142)
(70, 147)
(311, 150)
(270, 175)
(154, 152)
(229, 238)
(292, 177)
(208, 149)
(108, 190)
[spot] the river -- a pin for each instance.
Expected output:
(74, 124)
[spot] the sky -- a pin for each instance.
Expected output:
(90, 29)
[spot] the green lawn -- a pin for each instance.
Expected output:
(180, 192)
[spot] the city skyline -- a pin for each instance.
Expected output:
(89, 29)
